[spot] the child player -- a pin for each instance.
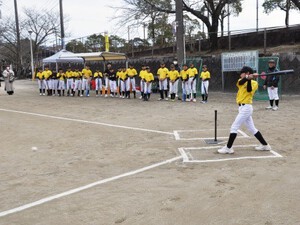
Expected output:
(205, 77)
(173, 76)
(98, 82)
(148, 79)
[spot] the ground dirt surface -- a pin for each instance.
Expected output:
(51, 145)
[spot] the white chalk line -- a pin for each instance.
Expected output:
(179, 138)
(76, 190)
(86, 121)
(188, 158)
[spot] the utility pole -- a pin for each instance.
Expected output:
(62, 30)
(256, 15)
(19, 59)
(179, 32)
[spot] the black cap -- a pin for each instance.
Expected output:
(247, 69)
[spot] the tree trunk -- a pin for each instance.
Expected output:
(213, 33)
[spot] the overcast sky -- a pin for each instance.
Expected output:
(87, 17)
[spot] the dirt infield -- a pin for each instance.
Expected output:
(94, 161)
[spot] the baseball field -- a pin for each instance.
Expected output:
(105, 161)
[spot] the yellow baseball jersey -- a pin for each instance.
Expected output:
(86, 73)
(173, 75)
(148, 77)
(39, 75)
(192, 72)
(98, 75)
(47, 74)
(69, 74)
(162, 73)
(184, 74)
(244, 97)
(122, 75)
(205, 75)
(77, 75)
(142, 74)
(61, 76)
(131, 72)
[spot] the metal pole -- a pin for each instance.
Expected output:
(19, 58)
(265, 41)
(256, 15)
(62, 30)
(229, 40)
(31, 55)
(215, 125)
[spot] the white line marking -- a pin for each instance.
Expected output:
(178, 138)
(176, 135)
(243, 133)
(183, 154)
(191, 159)
(86, 121)
(73, 191)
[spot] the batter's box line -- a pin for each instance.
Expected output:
(188, 158)
(178, 138)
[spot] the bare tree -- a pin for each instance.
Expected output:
(297, 3)
(284, 5)
(213, 8)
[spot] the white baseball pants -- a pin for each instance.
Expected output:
(273, 93)
(244, 117)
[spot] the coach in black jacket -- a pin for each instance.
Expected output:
(271, 83)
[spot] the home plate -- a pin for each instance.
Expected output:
(209, 154)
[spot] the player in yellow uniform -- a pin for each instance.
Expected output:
(184, 76)
(70, 81)
(173, 76)
(78, 79)
(86, 81)
(131, 73)
(41, 81)
(47, 75)
(141, 75)
(246, 89)
(148, 79)
(123, 77)
(162, 74)
(205, 77)
(54, 82)
(61, 82)
(98, 82)
(193, 73)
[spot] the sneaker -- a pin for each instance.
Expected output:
(141, 97)
(225, 150)
(269, 107)
(44, 94)
(81, 95)
(105, 95)
(159, 99)
(263, 148)
(275, 108)
(166, 99)
(194, 100)
(40, 94)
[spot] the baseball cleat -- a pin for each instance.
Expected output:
(263, 148)
(269, 107)
(226, 150)
(275, 108)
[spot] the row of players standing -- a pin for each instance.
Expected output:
(125, 80)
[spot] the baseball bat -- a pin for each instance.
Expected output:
(280, 72)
